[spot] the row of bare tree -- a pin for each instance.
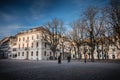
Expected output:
(97, 26)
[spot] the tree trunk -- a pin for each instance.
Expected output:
(53, 55)
(79, 54)
(75, 53)
(92, 55)
(63, 51)
(98, 55)
(63, 54)
(89, 55)
(102, 51)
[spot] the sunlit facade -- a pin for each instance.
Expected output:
(30, 45)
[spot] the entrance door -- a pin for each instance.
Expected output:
(27, 55)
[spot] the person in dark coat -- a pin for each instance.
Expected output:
(69, 58)
(59, 59)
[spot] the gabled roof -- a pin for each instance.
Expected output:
(4, 40)
(41, 28)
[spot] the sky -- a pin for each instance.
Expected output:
(19, 15)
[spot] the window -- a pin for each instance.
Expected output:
(18, 53)
(22, 53)
(19, 46)
(32, 45)
(45, 53)
(50, 53)
(32, 53)
(32, 37)
(36, 53)
(45, 45)
(37, 36)
(23, 45)
(19, 39)
(14, 49)
(15, 55)
(37, 44)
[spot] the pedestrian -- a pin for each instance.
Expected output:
(59, 59)
(69, 58)
(85, 58)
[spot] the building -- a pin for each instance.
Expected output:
(4, 48)
(31, 45)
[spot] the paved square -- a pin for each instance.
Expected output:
(51, 70)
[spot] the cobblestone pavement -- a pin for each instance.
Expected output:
(51, 70)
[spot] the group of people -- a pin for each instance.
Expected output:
(59, 59)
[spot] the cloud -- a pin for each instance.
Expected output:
(7, 17)
(8, 30)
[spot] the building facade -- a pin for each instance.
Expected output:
(4, 47)
(30, 45)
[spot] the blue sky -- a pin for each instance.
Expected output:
(18, 15)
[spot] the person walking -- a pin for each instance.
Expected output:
(69, 58)
(59, 59)
(85, 58)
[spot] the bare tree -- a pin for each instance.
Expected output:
(115, 16)
(113, 21)
(93, 27)
(72, 44)
(53, 34)
(62, 44)
(78, 34)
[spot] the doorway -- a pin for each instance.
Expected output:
(27, 55)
